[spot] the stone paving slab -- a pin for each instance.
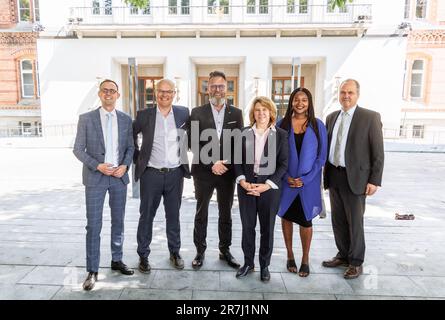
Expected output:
(42, 241)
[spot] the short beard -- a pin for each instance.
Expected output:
(217, 101)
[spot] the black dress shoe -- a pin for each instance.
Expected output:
(177, 261)
(265, 274)
(229, 258)
(90, 281)
(198, 261)
(144, 266)
(244, 270)
(122, 267)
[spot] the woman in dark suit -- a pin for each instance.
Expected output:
(301, 195)
(264, 151)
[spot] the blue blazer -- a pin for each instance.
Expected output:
(89, 146)
(308, 167)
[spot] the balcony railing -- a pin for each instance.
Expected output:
(272, 14)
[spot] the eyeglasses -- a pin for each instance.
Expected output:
(108, 91)
(220, 87)
(167, 92)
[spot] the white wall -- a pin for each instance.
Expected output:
(69, 68)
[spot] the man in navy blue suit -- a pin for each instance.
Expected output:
(104, 145)
(161, 165)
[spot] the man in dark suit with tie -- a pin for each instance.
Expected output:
(104, 144)
(353, 172)
(214, 123)
(161, 165)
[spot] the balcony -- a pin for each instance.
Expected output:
(210, 20)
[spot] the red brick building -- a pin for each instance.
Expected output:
(19, 82)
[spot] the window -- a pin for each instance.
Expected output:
(407, 8)
(27, 78)
(108, 7)
(260, 6)
(418, 131)
(36, 10)
(330, 8)
(297, 6)
(24, 10)
(182, 6)
(147, 97)
(218, 6)
(102, 7)
(135, 10)
(421, 6)
(417, 72)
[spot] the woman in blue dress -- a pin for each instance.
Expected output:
(301, 194)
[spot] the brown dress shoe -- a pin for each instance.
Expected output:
(353, 272)
(335, 262)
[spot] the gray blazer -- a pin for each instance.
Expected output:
(364, 154)
(89, 146)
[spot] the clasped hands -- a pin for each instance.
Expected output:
(295, 183)
(108, 170)
(219, 168)
(254, 189)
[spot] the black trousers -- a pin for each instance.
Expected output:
(347, 217)
(264, 207)
(154, 186)
(204, 187)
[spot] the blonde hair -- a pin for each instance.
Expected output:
(268, 104)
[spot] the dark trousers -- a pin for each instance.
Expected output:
(204, 187)
(347, 217)
(95, 198)
(154, 185)
(265, 207)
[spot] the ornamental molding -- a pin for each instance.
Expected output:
(18, 38)
(430, 38)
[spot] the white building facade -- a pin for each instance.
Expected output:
(259, 44)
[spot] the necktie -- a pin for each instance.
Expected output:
(109, 139)
(337, 149)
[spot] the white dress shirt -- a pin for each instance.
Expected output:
(165, 150)
(260, 142)
(115, 134)
(218, 117)
(346, 126)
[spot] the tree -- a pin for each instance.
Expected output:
(340, 3)
(143, 3)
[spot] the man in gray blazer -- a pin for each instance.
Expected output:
(353, 172)
(104, 144)
(161, 165)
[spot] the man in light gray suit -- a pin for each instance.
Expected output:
(353, 172)
(104, 144)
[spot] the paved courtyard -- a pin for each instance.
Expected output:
(42, 236)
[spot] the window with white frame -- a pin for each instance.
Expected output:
(144, 11)
(421, 7)
(417, 75)
(179, 6)
(418, 131)
(330, 7)
(297, 6)
(218, 6)
(257, 6)
(27, 78)
(407, 9)
(25, 8)
(102, 7)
